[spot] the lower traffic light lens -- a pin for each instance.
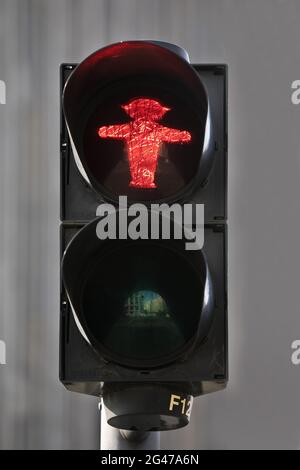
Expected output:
(142, 302)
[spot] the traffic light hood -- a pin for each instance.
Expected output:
(141, 303)
(101, 91)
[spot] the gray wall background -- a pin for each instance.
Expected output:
(260, 42)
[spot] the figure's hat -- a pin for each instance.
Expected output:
(145, 107)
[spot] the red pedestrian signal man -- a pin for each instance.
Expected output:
(144, 136)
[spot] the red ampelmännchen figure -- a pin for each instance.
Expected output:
(143, 137)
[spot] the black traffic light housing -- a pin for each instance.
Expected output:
(85, 365)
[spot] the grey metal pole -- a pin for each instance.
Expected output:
(114, 439)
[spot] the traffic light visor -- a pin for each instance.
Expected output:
(139, 123)
(139, 303)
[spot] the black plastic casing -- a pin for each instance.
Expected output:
(205, 369)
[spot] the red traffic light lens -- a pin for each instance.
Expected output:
(143, 138)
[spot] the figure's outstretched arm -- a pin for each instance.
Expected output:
(175, 135)
(115, 131)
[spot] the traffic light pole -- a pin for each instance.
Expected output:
(128, 279)
(114, 439)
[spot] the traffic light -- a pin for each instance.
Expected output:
(143, 304)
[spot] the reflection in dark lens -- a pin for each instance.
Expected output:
(147, 308)
(107, 159)
(146, 304)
